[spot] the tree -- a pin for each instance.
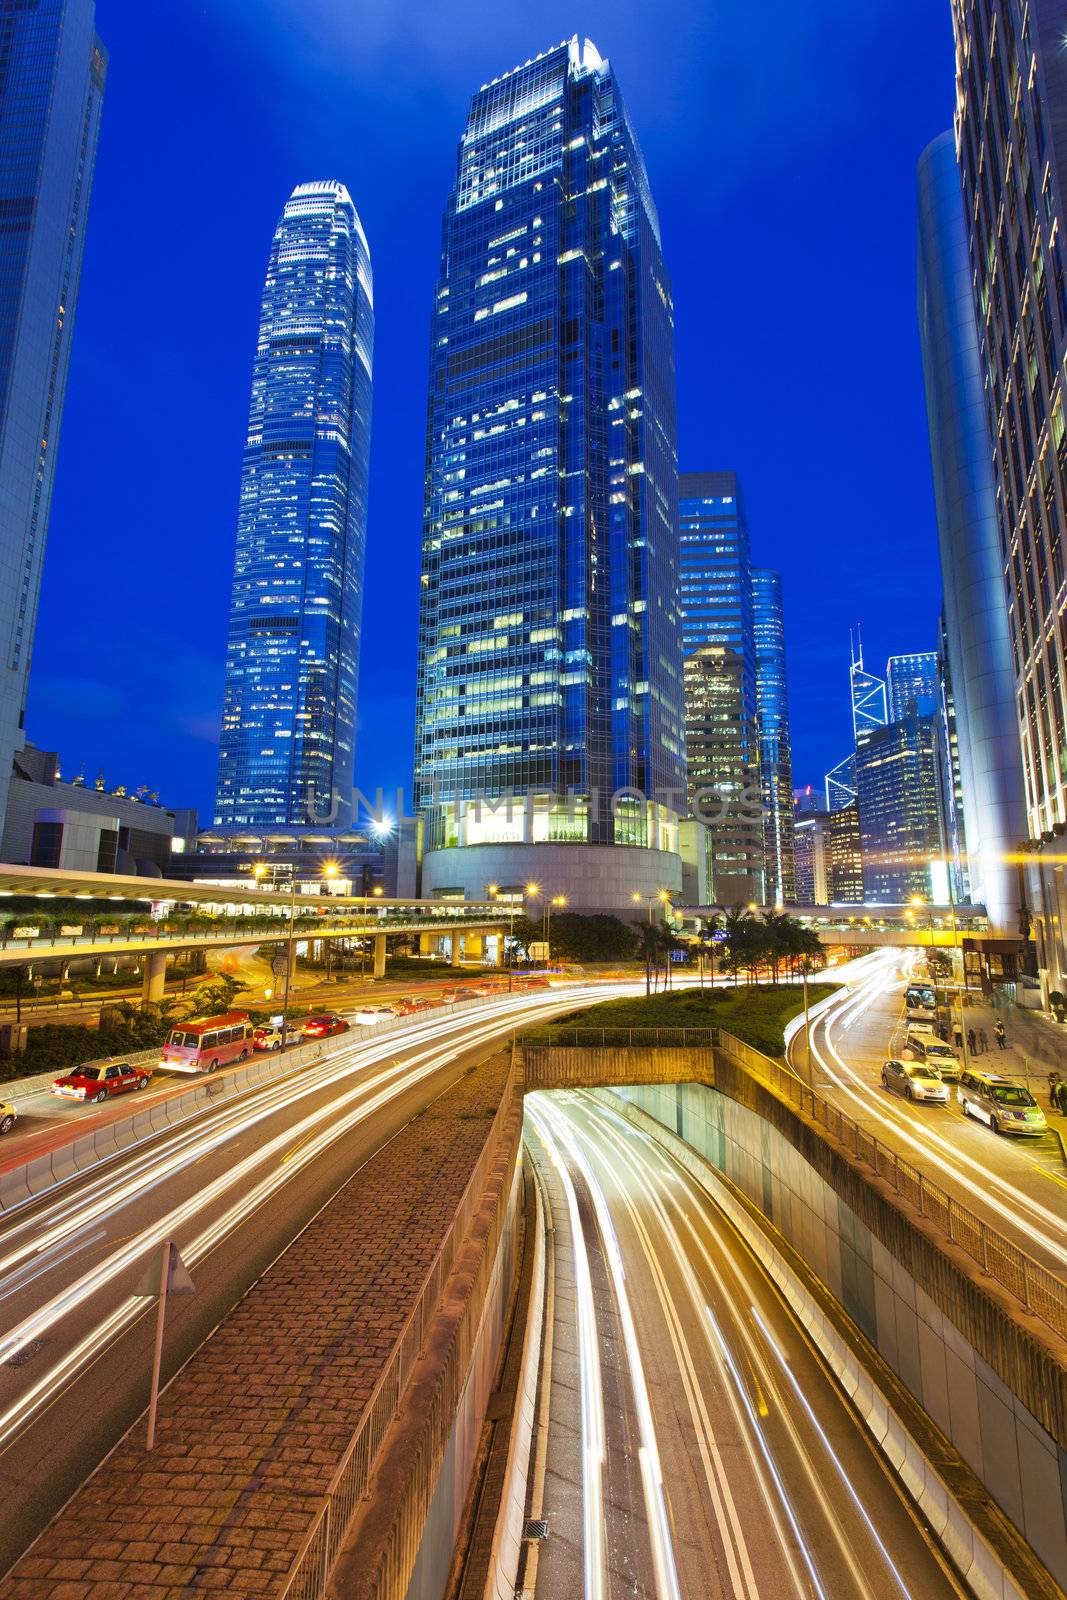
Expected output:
(216, 995)
(739, 926)
(649, 949)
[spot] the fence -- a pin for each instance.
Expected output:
(620, 1038)
(318, 1552)
(1041, 1291)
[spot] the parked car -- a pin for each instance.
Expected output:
(915, 1081)
(918, 1036)
(408, 1006)
(100, 1083)
(8, 1116)
(943, 1057)
(1005, 1105)
(267, 1039)
(371, 1016)
(324, 1026)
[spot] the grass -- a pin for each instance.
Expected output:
(756, 1015)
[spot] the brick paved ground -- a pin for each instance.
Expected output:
(251, 1431)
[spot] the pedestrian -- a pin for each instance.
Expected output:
(972, 1042)
(1001, 1036)
(957, 1035)
(983, 1041)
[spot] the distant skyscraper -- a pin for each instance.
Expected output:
(292, 660)
(776, 757)
(549, 644)
(52, 70)
(1011, 144)
(911, 680)
(869, 711)
(899, 813)
(719, 640)
(846, 857)
(812, 845)
(723, 772)
(977, 630)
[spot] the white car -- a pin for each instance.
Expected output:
(915, 1081)
(372, 1016)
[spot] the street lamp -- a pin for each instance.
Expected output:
(559, 901)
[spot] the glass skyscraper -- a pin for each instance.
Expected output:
(549, 712)
(898, 803)
(719, 641)
(52, 71)
(775, 748)
(912, 678)
(292, 660)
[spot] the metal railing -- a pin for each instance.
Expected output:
(1041, 1291)
(308, 1574)
(620, 1038)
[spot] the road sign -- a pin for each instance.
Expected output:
(279, 963)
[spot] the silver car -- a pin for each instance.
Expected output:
(915, 1081)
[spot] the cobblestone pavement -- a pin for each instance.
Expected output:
(252, 1429)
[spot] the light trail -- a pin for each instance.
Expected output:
(659, 1532)
(314, 1133)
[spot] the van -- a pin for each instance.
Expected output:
(1006, 1105)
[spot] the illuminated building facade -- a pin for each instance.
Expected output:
(897, 800)
(52, 71)
(549, 709)
(911, 680)
(292, 660)
(775, 749)
(723, 772)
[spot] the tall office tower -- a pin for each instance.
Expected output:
(950, 772)
(776, 756)
(899, 812)
(869, 711)
(549, 713)
(846, 857)
(723, 772)
(912, 679)
(719, 641)
(812, 844)
(292, 659)
(969, 506)
(52, 70)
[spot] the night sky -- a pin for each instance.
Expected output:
(781, 143)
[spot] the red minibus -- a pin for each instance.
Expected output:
(207, 1043)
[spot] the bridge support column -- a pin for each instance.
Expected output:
(155, 973)
(379, 955)
(456, 947)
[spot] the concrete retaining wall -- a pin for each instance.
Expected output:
(1019, 1461)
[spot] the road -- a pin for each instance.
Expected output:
(232, 1187)
(1017, 1185)
(696, 1446)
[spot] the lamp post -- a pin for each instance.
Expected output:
(559, 901)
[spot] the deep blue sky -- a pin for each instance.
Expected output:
(781, 143)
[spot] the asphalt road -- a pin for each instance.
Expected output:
(1017, 1184)
(232, 1187)
(696, 1446)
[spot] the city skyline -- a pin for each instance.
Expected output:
(184, 724)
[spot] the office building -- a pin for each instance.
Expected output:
(869, 708)
(723, 773)
(292, 659)
(715, 568)
(911, 682)
(992, 812)
(550, 743)
(1011, 146)
(775, 749)
(52, 70)
(812, 848)
(846, 857)
(899, 813)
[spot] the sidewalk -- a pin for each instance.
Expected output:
(1035, 1044)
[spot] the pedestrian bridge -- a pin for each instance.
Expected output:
(869, 927)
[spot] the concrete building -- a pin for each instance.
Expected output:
(292, 659)
(86, 828)
(978, 646)
(775, 746)
(812, 843)
(723, 774)
(845, 886)
(52, 70)
(550, 742)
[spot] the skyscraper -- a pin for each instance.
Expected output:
(897, 800)
(549, 713)
(775, 748)
(911, 679)
(869, 711)
(719, 641)
(52, 71)
(292, 659)
(1011, 145)
(977, 634)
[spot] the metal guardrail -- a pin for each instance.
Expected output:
(321, 1545)
(1040, 1291)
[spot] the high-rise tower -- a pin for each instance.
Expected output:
(292, 659)
(52, 70)
(776, 755)
(549, 710)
